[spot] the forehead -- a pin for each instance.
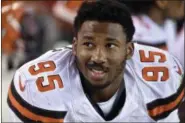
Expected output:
(108, 28)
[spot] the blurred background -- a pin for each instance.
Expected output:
(30, 28)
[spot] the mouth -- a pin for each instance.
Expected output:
(97, 73)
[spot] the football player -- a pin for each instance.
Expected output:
(102, 77)
(154, 21)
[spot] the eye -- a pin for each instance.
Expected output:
(88, 44)
(110, 45)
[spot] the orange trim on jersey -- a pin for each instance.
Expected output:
(74, 4)
(164, 108)
(25, 112)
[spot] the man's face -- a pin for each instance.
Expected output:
(100, 50)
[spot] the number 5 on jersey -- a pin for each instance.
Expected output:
(47, 66)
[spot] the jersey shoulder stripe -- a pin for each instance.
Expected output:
(161, 108)
(27, 112)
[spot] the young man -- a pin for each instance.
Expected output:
(102, 78)
(154, 21)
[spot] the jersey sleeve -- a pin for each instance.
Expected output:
(21, 104)
(176, 99)
(159, 77)
(27, 103)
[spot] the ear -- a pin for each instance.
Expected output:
(130, 49)
(74, 46)
(162, 3)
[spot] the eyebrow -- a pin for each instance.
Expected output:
(88, 37)
(110, 39)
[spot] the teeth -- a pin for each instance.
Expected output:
(97, 71)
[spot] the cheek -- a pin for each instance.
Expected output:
(118, 62)
(118, 57)
(82, 56)
(116, 69)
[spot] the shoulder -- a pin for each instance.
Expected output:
(157, 67)
(148, 32)
(159, 79)
(48, 63)
(36, 86)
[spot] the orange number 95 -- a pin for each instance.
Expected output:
(47, 66)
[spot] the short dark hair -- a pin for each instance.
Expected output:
(105, 11)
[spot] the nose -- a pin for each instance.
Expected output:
(99, 55)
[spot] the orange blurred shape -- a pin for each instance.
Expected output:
(74, 5)
(12, 12)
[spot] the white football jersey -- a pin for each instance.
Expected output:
(178, 47)
(49, 89)
(150, 33)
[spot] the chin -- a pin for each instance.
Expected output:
(99, 84)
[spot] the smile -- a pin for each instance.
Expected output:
(97, 74)
(97, 71)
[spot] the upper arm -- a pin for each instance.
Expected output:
(19, 98)
(165, 108)
(161, 86)
(27, 103)
(36, 86)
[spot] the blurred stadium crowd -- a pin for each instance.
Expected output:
(30, 28)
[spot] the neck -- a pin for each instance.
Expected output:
(102, 94)
(156, 15)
